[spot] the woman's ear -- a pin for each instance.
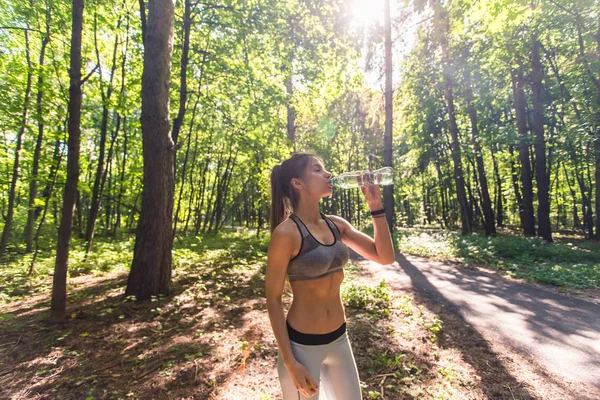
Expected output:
(297, 183)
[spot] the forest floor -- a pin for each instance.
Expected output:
(212, 338)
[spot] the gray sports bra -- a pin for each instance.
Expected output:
(315, 259)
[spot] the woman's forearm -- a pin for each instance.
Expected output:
(381, 232)
(277, 317)
(383, 240)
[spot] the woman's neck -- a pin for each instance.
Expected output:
(308, 212)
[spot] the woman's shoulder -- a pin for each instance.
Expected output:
(287, 227)
(340, 222)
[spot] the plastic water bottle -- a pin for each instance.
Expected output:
(356, 179)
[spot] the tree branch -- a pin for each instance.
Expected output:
(19, 28)
(89, 75)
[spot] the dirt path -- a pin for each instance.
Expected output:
(561, 333)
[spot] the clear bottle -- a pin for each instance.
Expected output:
(354, 179)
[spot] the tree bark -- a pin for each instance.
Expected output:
(33, 184)
(597, 143)
(185, 49)
(499, 193)
(527, 185)
(388, 191)
(442, 23)
(98, 180)
(15, 172)
(59, 284)
(542, 179)
(488, 212)
(184, 167)
(151, 267)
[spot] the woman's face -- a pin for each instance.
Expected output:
(316, 179)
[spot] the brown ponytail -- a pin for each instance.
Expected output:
(284, 199)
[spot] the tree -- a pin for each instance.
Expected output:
(15, 173)
(388, 191)
(151, 267)
(541, 173)
(443, 26)
(59, 284)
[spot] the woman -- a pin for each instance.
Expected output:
(311, 250)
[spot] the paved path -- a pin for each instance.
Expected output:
(562, 333)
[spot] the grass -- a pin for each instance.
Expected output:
(114, 255)
(569, 261)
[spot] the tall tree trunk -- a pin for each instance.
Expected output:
(442, 23)
(98, 180)
(597, 142)
(542, 179)
(388, 191)
(588, 218)
(184, 167)
(151, 267)
(59, 284)
(289, 85)
(515, 182)
(192, 184)
(183, 91)
(15, 172)
(488, 213)
(121, 178)
(291, 111)
(442, 187)
(35, 168)
(521, 115)
(121, 99)
(47, 194)
(576, 220)
(499, 192)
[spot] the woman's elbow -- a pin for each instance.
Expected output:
(387, 260)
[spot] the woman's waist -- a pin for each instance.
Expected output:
(316, 317)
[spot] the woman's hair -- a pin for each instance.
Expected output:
(284, 199)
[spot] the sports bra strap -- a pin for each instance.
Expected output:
(333, 227)
(300, 225)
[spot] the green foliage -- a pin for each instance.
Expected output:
(375, 301)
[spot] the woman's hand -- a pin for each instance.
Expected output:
(304, 383)
(372, 195)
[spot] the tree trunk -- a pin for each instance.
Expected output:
(576, 220)
(442, 187)
(151, 267)
(121, 178)
(542, 179)
(441, 18)
(35, 168)
(47, 194)
(209, 204)
(184, 167)
(59, 284)
(183, 91)
(488, 213)
(388, 191)
(521, 115)
(98, 180)
(291, 111)
(15, 173)
(499, 193)
(289, 87)
(588, 219)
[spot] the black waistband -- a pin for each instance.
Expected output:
(314, 338)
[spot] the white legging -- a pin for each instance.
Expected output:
(332, 363)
